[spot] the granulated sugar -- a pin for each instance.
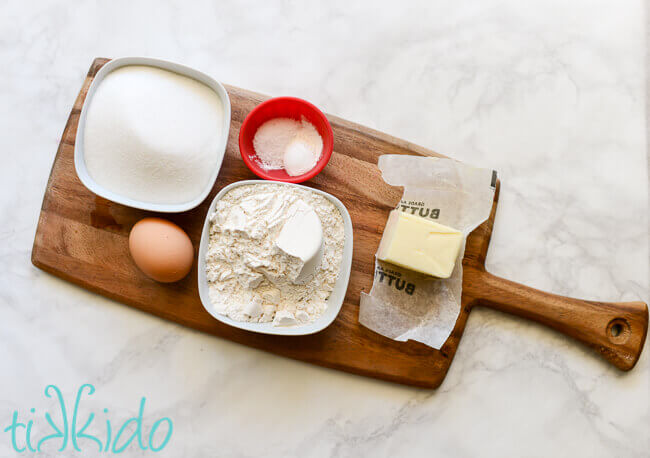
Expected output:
(153, 135)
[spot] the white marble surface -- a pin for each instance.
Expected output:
(550, 93)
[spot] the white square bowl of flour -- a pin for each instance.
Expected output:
(152, 134)
(341, 240)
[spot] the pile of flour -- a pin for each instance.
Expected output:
(249, 277)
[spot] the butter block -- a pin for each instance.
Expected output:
(420, 244)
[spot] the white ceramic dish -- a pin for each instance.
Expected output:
(334, 302)
(114, 195)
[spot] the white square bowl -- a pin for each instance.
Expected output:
(114, 195)
(334, 302)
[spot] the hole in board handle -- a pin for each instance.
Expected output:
(618, 331)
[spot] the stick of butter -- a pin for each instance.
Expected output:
(419, 244)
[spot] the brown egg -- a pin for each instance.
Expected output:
(161, 249)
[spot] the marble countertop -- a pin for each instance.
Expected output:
(549, 93)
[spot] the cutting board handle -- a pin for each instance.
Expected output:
(616, 330)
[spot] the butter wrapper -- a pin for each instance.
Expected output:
(405, 305)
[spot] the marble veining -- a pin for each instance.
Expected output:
(549, 93)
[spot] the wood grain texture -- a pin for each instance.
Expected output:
(82, 238)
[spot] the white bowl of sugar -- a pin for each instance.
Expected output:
(152, 134)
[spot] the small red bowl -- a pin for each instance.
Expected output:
(284, 107)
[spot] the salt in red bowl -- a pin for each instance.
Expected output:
(284, 107)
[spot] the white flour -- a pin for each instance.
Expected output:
(153, 135)
(249, 277)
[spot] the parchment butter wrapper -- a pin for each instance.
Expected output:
(405, 305)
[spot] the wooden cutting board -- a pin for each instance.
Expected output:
(82, 238)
